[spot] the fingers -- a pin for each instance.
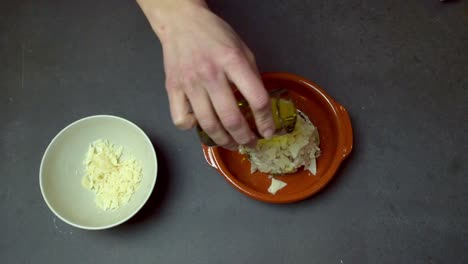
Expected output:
(228, 112)
(247, 80)
(206, 116)
(181, 112)
(205, 90)
(184, 117)
(250, 58)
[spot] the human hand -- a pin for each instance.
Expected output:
(202, 56)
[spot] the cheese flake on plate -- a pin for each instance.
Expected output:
(276, 185)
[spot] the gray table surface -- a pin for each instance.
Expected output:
(400, 68)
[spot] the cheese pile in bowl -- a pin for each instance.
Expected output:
(286, 153)
(113, 179)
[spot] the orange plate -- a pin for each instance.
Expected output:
(336, 142)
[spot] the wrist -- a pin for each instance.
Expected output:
(163, 15)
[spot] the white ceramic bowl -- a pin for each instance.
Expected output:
(62, 169)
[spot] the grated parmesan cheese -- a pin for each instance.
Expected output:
(113, 180)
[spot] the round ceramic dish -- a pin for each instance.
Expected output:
(62, 170)
(336, 143)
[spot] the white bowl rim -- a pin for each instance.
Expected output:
(153, 183)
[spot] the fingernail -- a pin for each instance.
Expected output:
(268, 133)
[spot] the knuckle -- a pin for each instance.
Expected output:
(171, 83)
(189, 80)
(234, 56)
(210, 126)
(207, 71)
(232, 121)
(261, 103)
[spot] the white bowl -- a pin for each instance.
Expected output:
(62, 170)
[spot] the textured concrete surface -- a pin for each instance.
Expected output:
(399, 67)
